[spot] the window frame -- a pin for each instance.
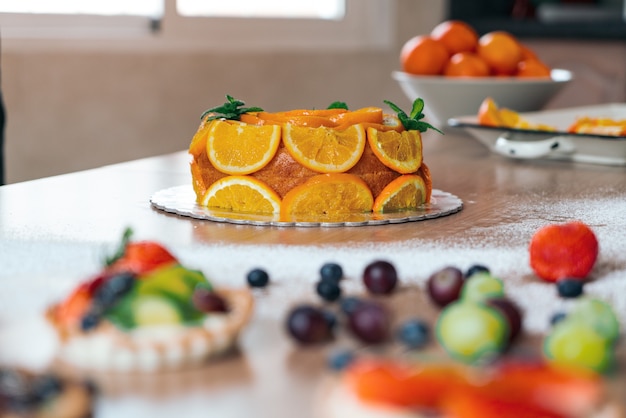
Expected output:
(367, 25)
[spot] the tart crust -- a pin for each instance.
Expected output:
(155, 348)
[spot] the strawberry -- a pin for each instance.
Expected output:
(566, 250)
(138, 257)
(142, 257)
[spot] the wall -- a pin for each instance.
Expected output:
(71, 110)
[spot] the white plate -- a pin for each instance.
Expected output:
(530, 144)
(181, 200)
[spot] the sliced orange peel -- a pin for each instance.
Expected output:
(533, 386)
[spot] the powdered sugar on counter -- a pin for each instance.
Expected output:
(503, 248)
(293, 270)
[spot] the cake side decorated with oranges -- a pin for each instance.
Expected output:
(310, 164)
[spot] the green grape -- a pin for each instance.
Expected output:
(599, 315)
(471, 332)
(481, 286)
(577, 343)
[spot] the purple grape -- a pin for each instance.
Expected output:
(206, 300)
(444, 286)
(308, 324)
(370, 322)
(380, 277)
(511, 312)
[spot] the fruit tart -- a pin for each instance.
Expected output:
(146, 312)
(28, 394)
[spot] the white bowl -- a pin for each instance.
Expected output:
(447, 97)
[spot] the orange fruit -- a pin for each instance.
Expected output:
(238, 148)
(242, 194)
(527, 52)
(198, 142)
(422, 55)
(407, 192)
(456, 36)
(466, 64)
(325, 150)
(488, 113)
(501, 51)
(400, 151)
(532, 68)
(326, 196)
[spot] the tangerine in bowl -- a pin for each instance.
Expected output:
(454, 69)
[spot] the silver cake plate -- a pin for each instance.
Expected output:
(181, 200)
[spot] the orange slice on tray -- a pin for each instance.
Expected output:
(325, 150)
(239, 148)
(407, 192)
(400, 151)
(242, 194)
(325, 196)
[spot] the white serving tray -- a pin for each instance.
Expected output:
(561, 145)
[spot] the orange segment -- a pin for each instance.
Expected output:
(242, 194)
(327, 195)
(407, 192)
(488, 113)
(325, 150)
(400, 151)
(198, 142)
(239, 148)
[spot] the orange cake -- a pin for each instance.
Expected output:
(310, 164)
(145, 312)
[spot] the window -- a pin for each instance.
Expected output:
(152, 8)
(317, 9)
(198, 24)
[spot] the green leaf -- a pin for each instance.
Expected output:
(338, 105)
(413, 121)
(121, 249)
(232, 110)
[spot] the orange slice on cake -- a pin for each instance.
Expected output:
(242, 194)
(325, 150)
(239, 148)
(327, 197)
(407, 192)
(400, 151)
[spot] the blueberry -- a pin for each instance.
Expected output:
(90, 320)
(476, 268)
(349, 304)
(258, 278)
(569, 288)
(328, 290)
(332, 272)
(113, 288)
(557, 317)
(341, 359)
(414, 333)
